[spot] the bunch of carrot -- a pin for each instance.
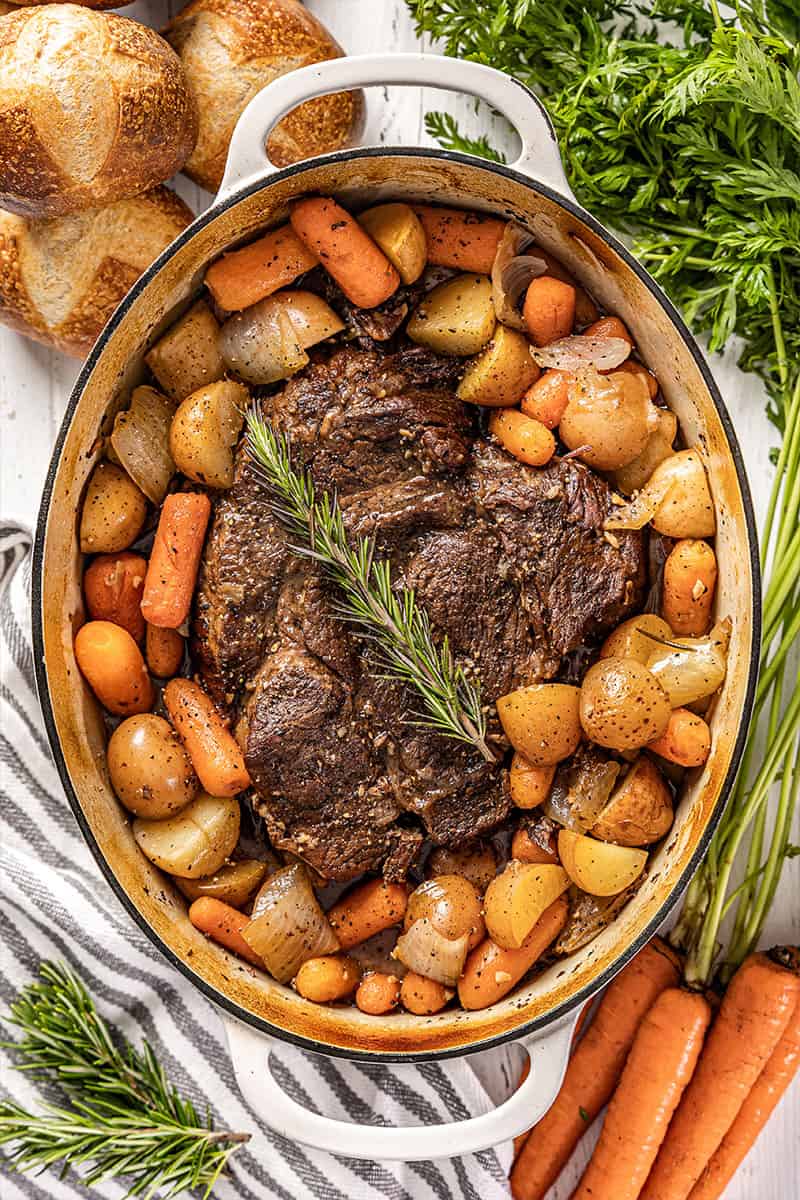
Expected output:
(688, 1088)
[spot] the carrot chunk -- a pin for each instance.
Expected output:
(245, 276)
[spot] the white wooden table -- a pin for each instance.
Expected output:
(35, 384)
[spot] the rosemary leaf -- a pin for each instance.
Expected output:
(397, 628)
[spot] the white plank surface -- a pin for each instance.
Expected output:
(35, 384)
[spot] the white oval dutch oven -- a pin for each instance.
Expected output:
(540, 1014)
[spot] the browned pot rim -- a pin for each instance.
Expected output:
(558, 1013)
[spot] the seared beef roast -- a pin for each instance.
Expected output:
(510, 561)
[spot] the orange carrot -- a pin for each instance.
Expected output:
(490, 972)
(245, 276)
(594, 1069)
(113, 665)
(658, 1068)
(780, 1069)
(211, 746)
(686, 740)
(164, 651)
(546, 400)
(751, 1021)
(609, 327)
(549, 309)
(467, 241)
(526, 849)
(366, 910)
(346, 251)
(223, 924)
(175, 558)
(112, 586)
(690, 577)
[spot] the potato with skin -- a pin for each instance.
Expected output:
(608, 418)
(196, 841)
(631, 640)
(234, 883)
(501, 373)
(622, 704)
(516, 899)
(186, 357)
(205, 430)
(398, 231)
(452, 906)
(657, 448)
(529, 785)
(639, 811)
(457, 317)
(113, 511)
(686, 509)
(541, 721)
(149, 768)
(600, 868)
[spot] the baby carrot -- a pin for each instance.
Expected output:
(490, 972)
(175, 558)
(594, 1069)
(245, 276)
(546, 400)
(211, 746)
(751, 1021)
(423, 996)
(686, 740)
(779, 1071)
(378, 993)
(467, 241)
(113, 665)
(549, 309)
(658, 1068)
(346, 251)
(113, 586)
(690, 577)
(527, 439)
(163, 651)
(609, 327)
(223, 924)
(368, 909)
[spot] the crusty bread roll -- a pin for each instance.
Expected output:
(93, 107)
(83, 4)
(61, 278)
(231, 49)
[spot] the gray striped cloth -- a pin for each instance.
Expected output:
(54, 904)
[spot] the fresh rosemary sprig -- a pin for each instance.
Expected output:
(679, 125)
(122, 1115)
(389, 618)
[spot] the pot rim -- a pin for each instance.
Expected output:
(536, 1024)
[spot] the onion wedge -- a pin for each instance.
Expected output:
(427, 952)
(288, 925)
(577, 351)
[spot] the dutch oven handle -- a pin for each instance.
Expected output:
(548, 1052)
(247, 157)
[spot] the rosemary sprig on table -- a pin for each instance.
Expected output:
(389, 618)
(122, 1115)
(679, 125)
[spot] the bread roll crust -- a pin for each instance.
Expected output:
(61, 278)
(93, 107)
(230, 49)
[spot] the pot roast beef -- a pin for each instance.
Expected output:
(510, 561)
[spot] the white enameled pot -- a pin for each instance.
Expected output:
(541, 1013)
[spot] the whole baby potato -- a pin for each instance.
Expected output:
(113, 511)
(622, 704)
(205, 430)
(149, 768)
(93, 107)
(638, 638)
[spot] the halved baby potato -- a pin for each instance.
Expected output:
(517, 898)
(600, 868)
(502, 372)
(638, 638)
(529, 785)
(233, 883)
(205, 430)
(639, 811)
(398, 231)
(195, 842)
(542, 721)
(187, 357)
(457, 317)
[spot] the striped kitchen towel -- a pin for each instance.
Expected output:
(54, 904)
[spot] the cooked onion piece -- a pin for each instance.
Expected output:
(588, 916)
(578, 351)
(517, 898)
(261, 343)
(676, 498)
(541, 721)
(196, 841)
(599, 867)
(456, 317)
(288, 925)
(140, 440)
(690, 669)
(608, 418)
(233, 883)
(452, 906)
(501, 373)
(640, 810)
(512, 271)
(621, 702)
(427, 952)
(634, 638)
(312, 318)
(205, 430)
(658, 448)
(581, 790)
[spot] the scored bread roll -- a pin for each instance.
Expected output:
(230, 50)
(61, 278)
(93, 107)
(4, 8)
